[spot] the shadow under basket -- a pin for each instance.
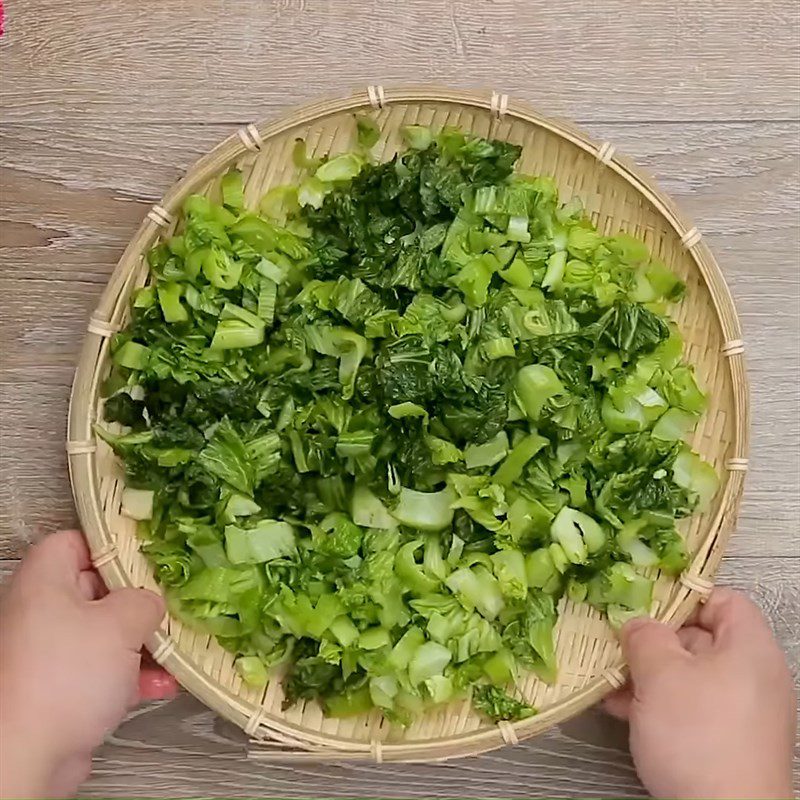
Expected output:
(618, 198)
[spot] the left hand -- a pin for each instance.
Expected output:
(70, 666)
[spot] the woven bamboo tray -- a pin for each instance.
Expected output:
(618, 197)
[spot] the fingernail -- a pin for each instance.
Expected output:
(157, 685)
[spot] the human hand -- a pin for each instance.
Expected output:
(69, 662)
(711, 707)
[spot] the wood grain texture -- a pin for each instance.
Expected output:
(218, 62)
(104, 104)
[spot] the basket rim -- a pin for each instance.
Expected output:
(251, 716)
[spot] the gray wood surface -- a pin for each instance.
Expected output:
(104, 104)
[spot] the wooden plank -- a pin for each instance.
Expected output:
(65, 219)
(35, 495)
(181, 749)
(184, 61)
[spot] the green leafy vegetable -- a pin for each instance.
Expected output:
(266, 541)
(495, 704)
(376, 428)
(368, 131)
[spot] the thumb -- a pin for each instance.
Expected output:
(650, 647)
(136, 613)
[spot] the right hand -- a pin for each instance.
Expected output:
(712, 708)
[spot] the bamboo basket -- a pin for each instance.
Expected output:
(618, 197)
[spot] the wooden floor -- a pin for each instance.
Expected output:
(105, 102)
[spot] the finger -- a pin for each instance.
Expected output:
(91, 585)
(732, 618)
(58, 558)
(693, 617)
(70, 774)
(155, 683)
(137, 613)
(618, 703)
(695, 639)
(650, 647)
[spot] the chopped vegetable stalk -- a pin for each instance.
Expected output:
(233, 312)
(674, 425)
(577, 590)
(517, 229)
(509, 568)
(410, 572)
(555, 270)
(671, 550)
(132, 355)
(279, 201)
(253, 670)
(268, 540)
(369, 512)
(629, 542)
(240, 505)
(418, 137)
(368, 133)
(137, 503)
(272, 270)
(169, 298)
(341, 168)
(440, 688)
(578, 534)
(406, 648)
(487, 454)
(233, 190)
(233, 334)
(300, 156)
(312, 192)
(559, 556)
(373, 639)
(499, 348)
(351, 704)
(535, 384)
(383, 689)
(344, 344)
(697, 477)
(267, 296)
(522, 452)
(501, 667)
(477, 588)
(518, 273)
(433, 559)
(405, 410)
(621, 585)
(344, 630)
(429, 659)
(425, 511)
